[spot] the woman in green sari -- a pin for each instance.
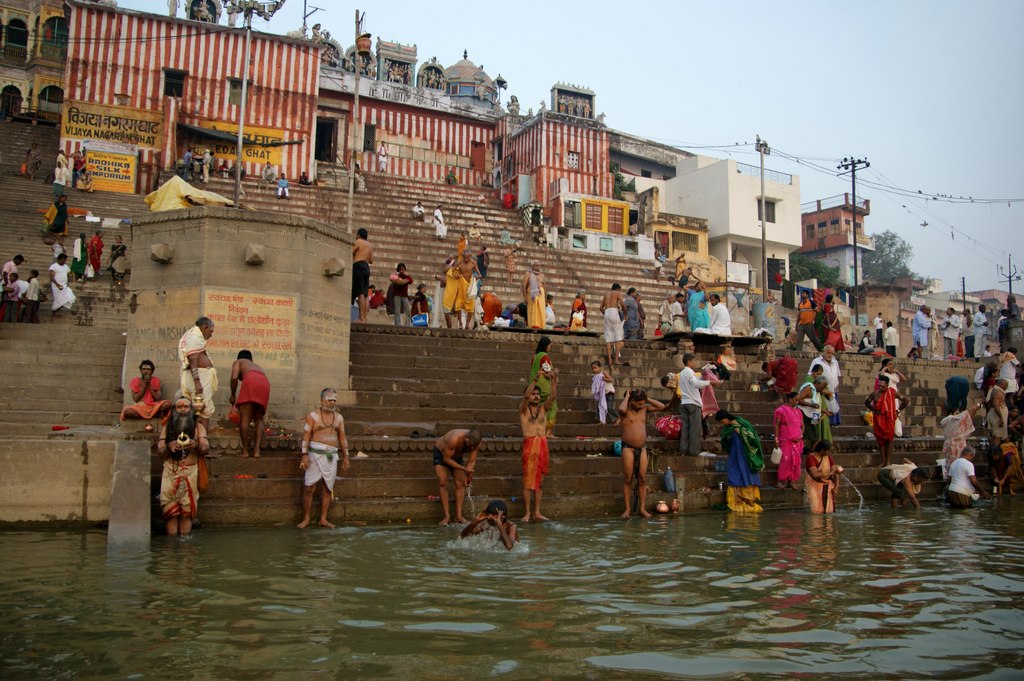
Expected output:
(746, 459)
(541, 372)
(80, 256)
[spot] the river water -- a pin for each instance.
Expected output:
(869, 594)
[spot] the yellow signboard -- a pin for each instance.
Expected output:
(112, 172)
(82, 120)
(261, 322)
(256, 152)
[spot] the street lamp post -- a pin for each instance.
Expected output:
(763, 148)
(265, 9)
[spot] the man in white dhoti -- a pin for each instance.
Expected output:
(440, 229)
(63, 297)
(323, 435)
(198, 376)
(719, 321)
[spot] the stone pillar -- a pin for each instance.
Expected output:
(275, 284)
(130, 495)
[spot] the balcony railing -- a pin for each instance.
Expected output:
(838, 201)
(14, 53)
(56, 52)
(769, 175)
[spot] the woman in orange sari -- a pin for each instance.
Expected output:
(822, 478)
(830, 322)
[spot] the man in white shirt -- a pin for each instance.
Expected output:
(892, 339)
(719, 321)
(950, 326)
(690, 406)
(440, 229)
(980, 331)
(830, 368)
(963, 483)
(879, 330)
(1008, 364)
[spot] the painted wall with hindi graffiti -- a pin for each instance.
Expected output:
(293, 317)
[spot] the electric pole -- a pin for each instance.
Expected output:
(763, 148)
(851, 164)
(1010, 274)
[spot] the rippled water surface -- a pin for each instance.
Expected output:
(871, 594)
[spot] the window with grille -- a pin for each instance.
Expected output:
(369, 137)
(572, 160)
(174, 82)
(682, 241)
(769, 209)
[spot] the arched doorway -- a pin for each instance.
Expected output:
(17, 39)
(55, 38)
(50, 100)
(10, 101)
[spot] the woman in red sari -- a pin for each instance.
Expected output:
(833, 329)
(95, 250)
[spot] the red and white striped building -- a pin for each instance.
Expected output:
(153, 84)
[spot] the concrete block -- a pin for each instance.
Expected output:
(255, 254)
(162, 252)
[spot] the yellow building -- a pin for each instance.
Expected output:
(33, 52)
(678, 235)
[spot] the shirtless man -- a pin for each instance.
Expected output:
(450, 450)
(198, 376)
(322, 436)
(495, 515)
(614, 313)
(633, 412)
(533, 421)
(251, 401)
(362, 258)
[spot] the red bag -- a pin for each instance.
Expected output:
(669, 427)
(233, 415)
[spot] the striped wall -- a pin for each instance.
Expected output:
(542, 150)
(114, 52)
(425, 144)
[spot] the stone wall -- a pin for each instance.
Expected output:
(56, 481)
(261, 278)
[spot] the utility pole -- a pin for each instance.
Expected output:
(358, 64)
(963, 292)
(851, 164)
(763, 148)
(1010, 274)
(247, 8)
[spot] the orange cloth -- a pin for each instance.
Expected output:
(805, 314)
(491, 305)
(535, 461)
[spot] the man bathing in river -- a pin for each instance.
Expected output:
(449, 452)
(182, 441)
(322, 436)
(633, 416)
(533, 421)
(494, 516)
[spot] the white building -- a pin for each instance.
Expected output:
(727, 193)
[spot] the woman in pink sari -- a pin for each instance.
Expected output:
(956, 428)
(789, 437)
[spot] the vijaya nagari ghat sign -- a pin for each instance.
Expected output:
(122, 125)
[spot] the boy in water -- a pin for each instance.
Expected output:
(633, 417)
(495, 515)
(603, 390)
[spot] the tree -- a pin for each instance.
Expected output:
(802, 268)
(890, 260)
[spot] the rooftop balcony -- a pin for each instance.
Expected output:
(769, 175)
(838, 201)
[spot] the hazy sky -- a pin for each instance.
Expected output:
(931, 92)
